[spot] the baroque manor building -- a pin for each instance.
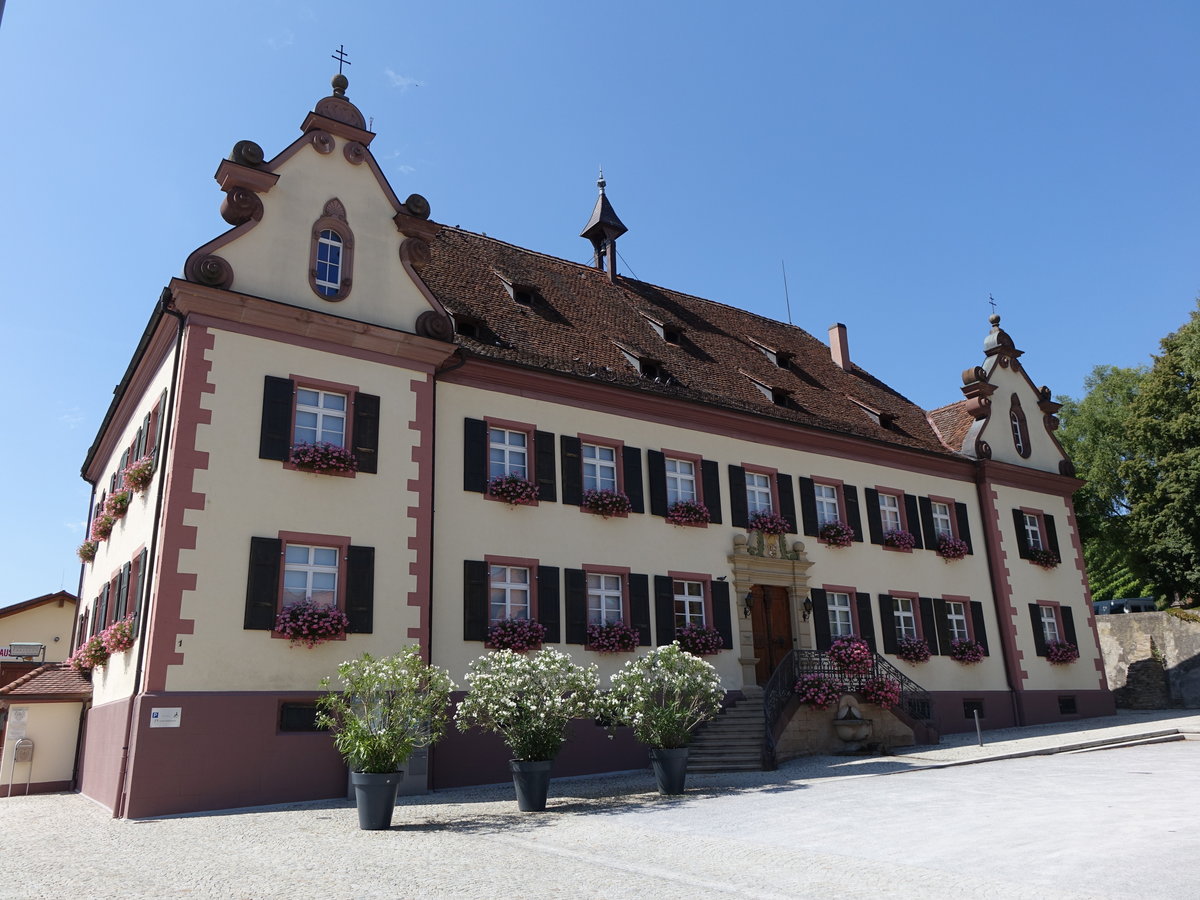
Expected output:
(331, 310)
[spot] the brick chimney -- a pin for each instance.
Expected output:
(839, 345)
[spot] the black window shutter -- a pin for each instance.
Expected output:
(787, 500)
(262, 583)
(1022, 538)
(929, 624)
(576, 595)
(161, 427)
(366, 432)
(572, 470)
(739, 510)
(866, 622)
(639, 607)
(853, 518)
(821, 618)
(543, 448)
(711, 477)
(475, 455)
(1039, 633)
(122, 600)
(941, 615)
(139, 591)
(887, 623)
(548, 603)
(808, 505)
(1068, 624)
(475, 600)
(980, 626)
(964, 525)
(1052, 536)
(664, 609)
(656, 468)
(722, 616)
(914, 520)
(360, 589)
(275, 437)
(632, 462)
(927, 527)
(874, 519)
(142, 435)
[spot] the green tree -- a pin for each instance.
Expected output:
(1162, 471)
(1095, 434)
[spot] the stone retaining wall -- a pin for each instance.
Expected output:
(1152, 660)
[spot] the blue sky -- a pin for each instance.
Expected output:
(902, 160)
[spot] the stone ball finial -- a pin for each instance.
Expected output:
(340, 82)
(994, 319)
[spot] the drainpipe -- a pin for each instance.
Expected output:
(168, 416)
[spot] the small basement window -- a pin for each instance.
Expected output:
(1067, 706)
(970, 707)
(298, 717)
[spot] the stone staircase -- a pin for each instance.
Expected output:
(733, 741)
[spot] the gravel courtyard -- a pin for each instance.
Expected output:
(1115, 823)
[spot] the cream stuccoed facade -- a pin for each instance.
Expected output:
(331, 308)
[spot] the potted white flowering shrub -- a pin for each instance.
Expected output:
(528, 699)
(663, 696)
(387, 709)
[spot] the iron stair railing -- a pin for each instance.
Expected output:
(778, 691)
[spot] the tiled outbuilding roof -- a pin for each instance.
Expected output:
(952, 422)
(52, 681)
(531, 309)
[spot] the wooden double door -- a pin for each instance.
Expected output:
(771, 620)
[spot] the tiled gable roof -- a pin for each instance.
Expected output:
(46, 682)
(56, 597)
(578, 318)
(952, 422)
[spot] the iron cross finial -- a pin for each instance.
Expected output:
(340, 56)
(993, 303)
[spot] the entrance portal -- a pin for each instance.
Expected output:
(771, 620)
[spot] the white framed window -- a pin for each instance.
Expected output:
(689, 603)
(1033, 532)
(329, 262)
(1049, 623)
(889, 512)
(956, 620)
(827, 504)
(599, 467)
(841, 620)
(758, 493)
(681, 480)
(905, 617)
(943, 526)
(509, 592)
(320, 416)
(508, 453)
(606, 599)
(310, 573)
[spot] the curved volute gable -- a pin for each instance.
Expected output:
(326, 179)
(1015, 420)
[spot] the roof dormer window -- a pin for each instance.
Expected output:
(667, 333)
(766, 351)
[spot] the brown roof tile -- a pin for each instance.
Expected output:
(952, 422)
(579, 316)
(48, 681)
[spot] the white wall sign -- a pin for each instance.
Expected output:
(165, 716)
(18, 717)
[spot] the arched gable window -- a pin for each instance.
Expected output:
(332, 254)
(1020, 430)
